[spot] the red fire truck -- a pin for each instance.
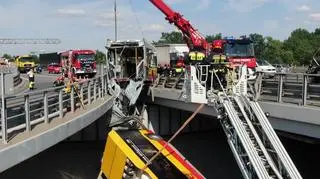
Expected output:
(78, 63)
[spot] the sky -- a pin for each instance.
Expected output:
(87, 24)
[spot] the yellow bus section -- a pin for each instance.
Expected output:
(115, 155)
(174, 157)
(129, 151)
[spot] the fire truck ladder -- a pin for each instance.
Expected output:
(254, 143)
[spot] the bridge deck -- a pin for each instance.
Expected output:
(42, 136)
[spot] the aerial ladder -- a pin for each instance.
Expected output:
(257, 149)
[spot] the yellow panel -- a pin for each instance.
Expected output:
(166, 153)
(118, 164)
(108, 156)
(122, 145)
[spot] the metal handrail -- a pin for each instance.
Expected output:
(53, 103)
(298, 86)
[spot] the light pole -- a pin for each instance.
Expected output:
(115, 21)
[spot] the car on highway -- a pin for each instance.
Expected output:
(266, 67)
(54, 68)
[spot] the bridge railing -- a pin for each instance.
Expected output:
(299, 88)
(23, 112)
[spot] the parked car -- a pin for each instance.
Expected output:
(54, 68)
(266, 67)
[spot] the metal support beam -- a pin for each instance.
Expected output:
(61, 103)
(27, 112)
(45, 107)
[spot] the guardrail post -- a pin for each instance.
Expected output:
(305, 89)
(81, 92)
(61, 103)
(3, 111)
(99, 87)
(106, 84)
(280, 88)
(72, 98)
(27, 112)
(89, 92)
(45, 107)
(102, 85)
(4, 121)
(94, 90)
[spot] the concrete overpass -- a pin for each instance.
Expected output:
(35, 121)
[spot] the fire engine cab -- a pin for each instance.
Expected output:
(78, 63)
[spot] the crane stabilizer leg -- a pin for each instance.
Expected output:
(254, 143)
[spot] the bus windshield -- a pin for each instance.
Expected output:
(239, 49)
(26, 59)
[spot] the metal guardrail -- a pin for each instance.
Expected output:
(297, 86)
(22, 112)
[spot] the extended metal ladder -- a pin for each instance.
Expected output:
(254, 143)
(203, 71)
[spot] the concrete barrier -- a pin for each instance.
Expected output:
(12, 80)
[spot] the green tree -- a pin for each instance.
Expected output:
(210, 38)
(287, 57)
(272, 51)
(100, 57)
(301, 44)
(317, 31)
(7, 56)
(171, 38)
(258, 43)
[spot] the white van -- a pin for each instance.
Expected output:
(266, 67)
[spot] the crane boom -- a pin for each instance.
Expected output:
(193, 38)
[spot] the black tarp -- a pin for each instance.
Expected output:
(48, 58)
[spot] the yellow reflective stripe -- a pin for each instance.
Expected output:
(219, 58)
(196, 56)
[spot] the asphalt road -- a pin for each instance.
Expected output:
(42, 81)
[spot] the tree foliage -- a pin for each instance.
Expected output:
(7, 56)
(100, 57)
(171, 38)
(258, 43)
(211, 38)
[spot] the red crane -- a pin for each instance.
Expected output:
(192, 37)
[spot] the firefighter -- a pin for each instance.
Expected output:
(180, 65)
(31, 78)
(196, 57)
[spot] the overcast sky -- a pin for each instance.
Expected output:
(88, 23)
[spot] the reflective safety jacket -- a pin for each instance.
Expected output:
(219, 59)
(196, 56)
(179, 70)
